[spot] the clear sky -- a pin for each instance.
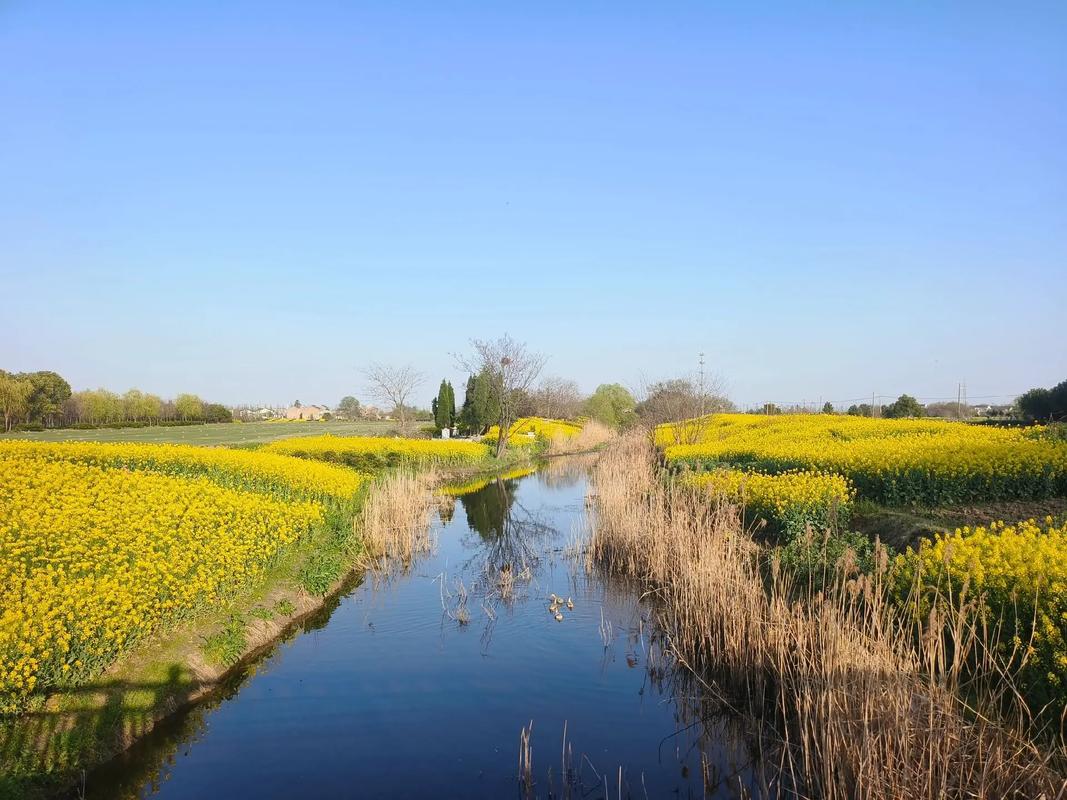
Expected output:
(251, 200)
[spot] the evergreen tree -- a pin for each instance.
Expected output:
(480, 407)
(442, 415)
(451, 406)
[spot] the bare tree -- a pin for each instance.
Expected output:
(680, 399)
(557, 398)
(512, 370)
(393, 384)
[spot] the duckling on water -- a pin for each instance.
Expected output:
(559, 617)
(570, 604)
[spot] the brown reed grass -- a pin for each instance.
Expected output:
(396, 519)
(592, 436)
(854, 700)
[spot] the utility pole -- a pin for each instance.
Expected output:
(702, 393)
(959, 398)
(874, 408)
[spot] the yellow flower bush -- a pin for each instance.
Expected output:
(261, 471)
(895, 462)
(789, 500)
(374, 453)
(531, 430)
(95, 556)
(470, 487)
(1019, 573)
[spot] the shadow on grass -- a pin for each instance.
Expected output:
(109, 738)
(43, 749)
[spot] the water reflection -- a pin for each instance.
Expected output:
(489, 509)
(420, 685)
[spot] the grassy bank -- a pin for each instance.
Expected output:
(230, 434)
(130, 530)
(134, 576)
(166, 654)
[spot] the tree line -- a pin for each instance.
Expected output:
(1036, 405)
(44, 399)
(1044, 405)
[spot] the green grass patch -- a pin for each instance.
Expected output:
(233, 434)
(226, 646)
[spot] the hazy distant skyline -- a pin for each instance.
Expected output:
(251, 201)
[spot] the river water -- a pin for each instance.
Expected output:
(421, 684)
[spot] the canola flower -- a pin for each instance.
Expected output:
(96, 556)
(790, 501)
(1019, 574)
(372, 453)
(531, 430)
(470, 487)
(256, 470)
(895, 462)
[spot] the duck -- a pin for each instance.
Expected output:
(555, 599)
(559, 617)
(552, 609)
(570, 604)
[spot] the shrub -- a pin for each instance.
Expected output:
(790, 502)
(1018, 574)
(814, 557)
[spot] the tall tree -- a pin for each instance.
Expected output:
(443, 408)
(393, 385)
(612, 404)
(1044, 405)
(511, 369)
(15, 395)
(133, 404)
(479, 406)
(189, 406)
(679, 399)
(451, 405)
(49, 392)
(348, 408)
(556, 398)
(903, 406)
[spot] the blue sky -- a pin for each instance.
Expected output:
(252, 200)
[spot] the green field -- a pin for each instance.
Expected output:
(235, 433)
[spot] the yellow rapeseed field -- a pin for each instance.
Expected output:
(530, 430)
(95, 555)
(1019, 574)
(895, 462)
(477, 484)
(242, 469)
(788, 500)
(372, 453)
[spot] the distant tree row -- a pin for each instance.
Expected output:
(1044, 405)
(45, 399)
(903, 407)
(611, 404)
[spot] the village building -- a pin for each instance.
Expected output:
(311, 413)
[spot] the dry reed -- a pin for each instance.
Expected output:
(853, 704)
(396, 519)
(592, 436)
